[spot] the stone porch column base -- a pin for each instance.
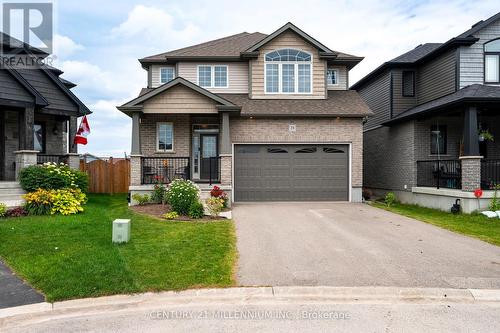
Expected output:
(24, 158)
(74, 161)
(226, 173)
(135, 170)
(471, 172)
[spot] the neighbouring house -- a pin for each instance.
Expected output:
(266, 117)
(38, 115)
(435, 134)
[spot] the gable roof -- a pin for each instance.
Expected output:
(472, 93)
(39, 99)
(244, 45)
(292, 27)
(428, 51)
(136, 103)
(230, 46)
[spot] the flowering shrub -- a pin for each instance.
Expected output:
(214, 205)
(170, 215)
(61, 201)
(217, 192)
(159, 190)
(181, 194)
(52, 176)
(3, 209)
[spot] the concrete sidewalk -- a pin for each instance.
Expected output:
(13, 290)
(266, 308)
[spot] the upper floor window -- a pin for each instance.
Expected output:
(492, 61)
(288, 71)
(408, 83)
(166, 74)
(332, 76)
(212, 76)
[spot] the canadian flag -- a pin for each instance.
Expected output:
(83, 131)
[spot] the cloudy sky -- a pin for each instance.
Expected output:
(98, 42)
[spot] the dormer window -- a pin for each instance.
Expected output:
(288, 71)
(492, 61)
(167, 74)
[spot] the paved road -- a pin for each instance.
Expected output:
(342, 244)
(320, 310)
(14, 292)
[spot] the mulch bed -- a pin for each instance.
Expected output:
(158, 210)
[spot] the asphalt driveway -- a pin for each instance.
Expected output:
(14, 292)
(343, 244)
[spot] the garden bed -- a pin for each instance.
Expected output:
(158, 210)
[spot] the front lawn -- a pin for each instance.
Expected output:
(72, 256)
(474, 225)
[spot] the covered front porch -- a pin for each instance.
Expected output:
(32, 136)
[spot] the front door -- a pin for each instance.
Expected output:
(209, 163)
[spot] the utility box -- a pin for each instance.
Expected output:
(121, 230)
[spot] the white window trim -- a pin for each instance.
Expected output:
(280, 79)
(336, 75)
(158, 150)
(159, 73)
(212, 76)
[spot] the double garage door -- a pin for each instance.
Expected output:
(291, 172)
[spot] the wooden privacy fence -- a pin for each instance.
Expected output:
(107, 176)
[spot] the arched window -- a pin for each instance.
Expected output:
(492, 61)
(288, 71)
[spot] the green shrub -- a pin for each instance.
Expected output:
(141, 199)
(495, 203)
(171, 215)
(215, 205)
(390, 199)
(196, 210)
(158, 194)
(3, 209)
(181, 194)
(51, 176)
(62, 201)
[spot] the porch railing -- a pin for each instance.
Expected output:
(490, 174)
(54, 158)
(439, 174)
(164, 169)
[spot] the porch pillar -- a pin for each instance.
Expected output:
(135, 170)
(26, 124)
(73, 124)
(226, 157)
(471, 135)
(136, 137)
(471, 172)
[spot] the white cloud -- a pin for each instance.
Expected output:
(153, 25)
(65, 46)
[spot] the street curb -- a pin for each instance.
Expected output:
(266, 294)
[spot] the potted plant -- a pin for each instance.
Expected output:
(485, 135)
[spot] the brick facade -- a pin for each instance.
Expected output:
(182, 134)
(226, 169)
(135, 170)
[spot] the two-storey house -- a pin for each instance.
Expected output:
(268, 117)
(435, 134)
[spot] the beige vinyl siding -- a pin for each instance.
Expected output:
(400, 103)
(341, 80)
(237, 73)
(288, 39)
(472, 57)
(179, 99)
(155, 74)
(436, 78)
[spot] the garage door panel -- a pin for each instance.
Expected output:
(291, 172)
